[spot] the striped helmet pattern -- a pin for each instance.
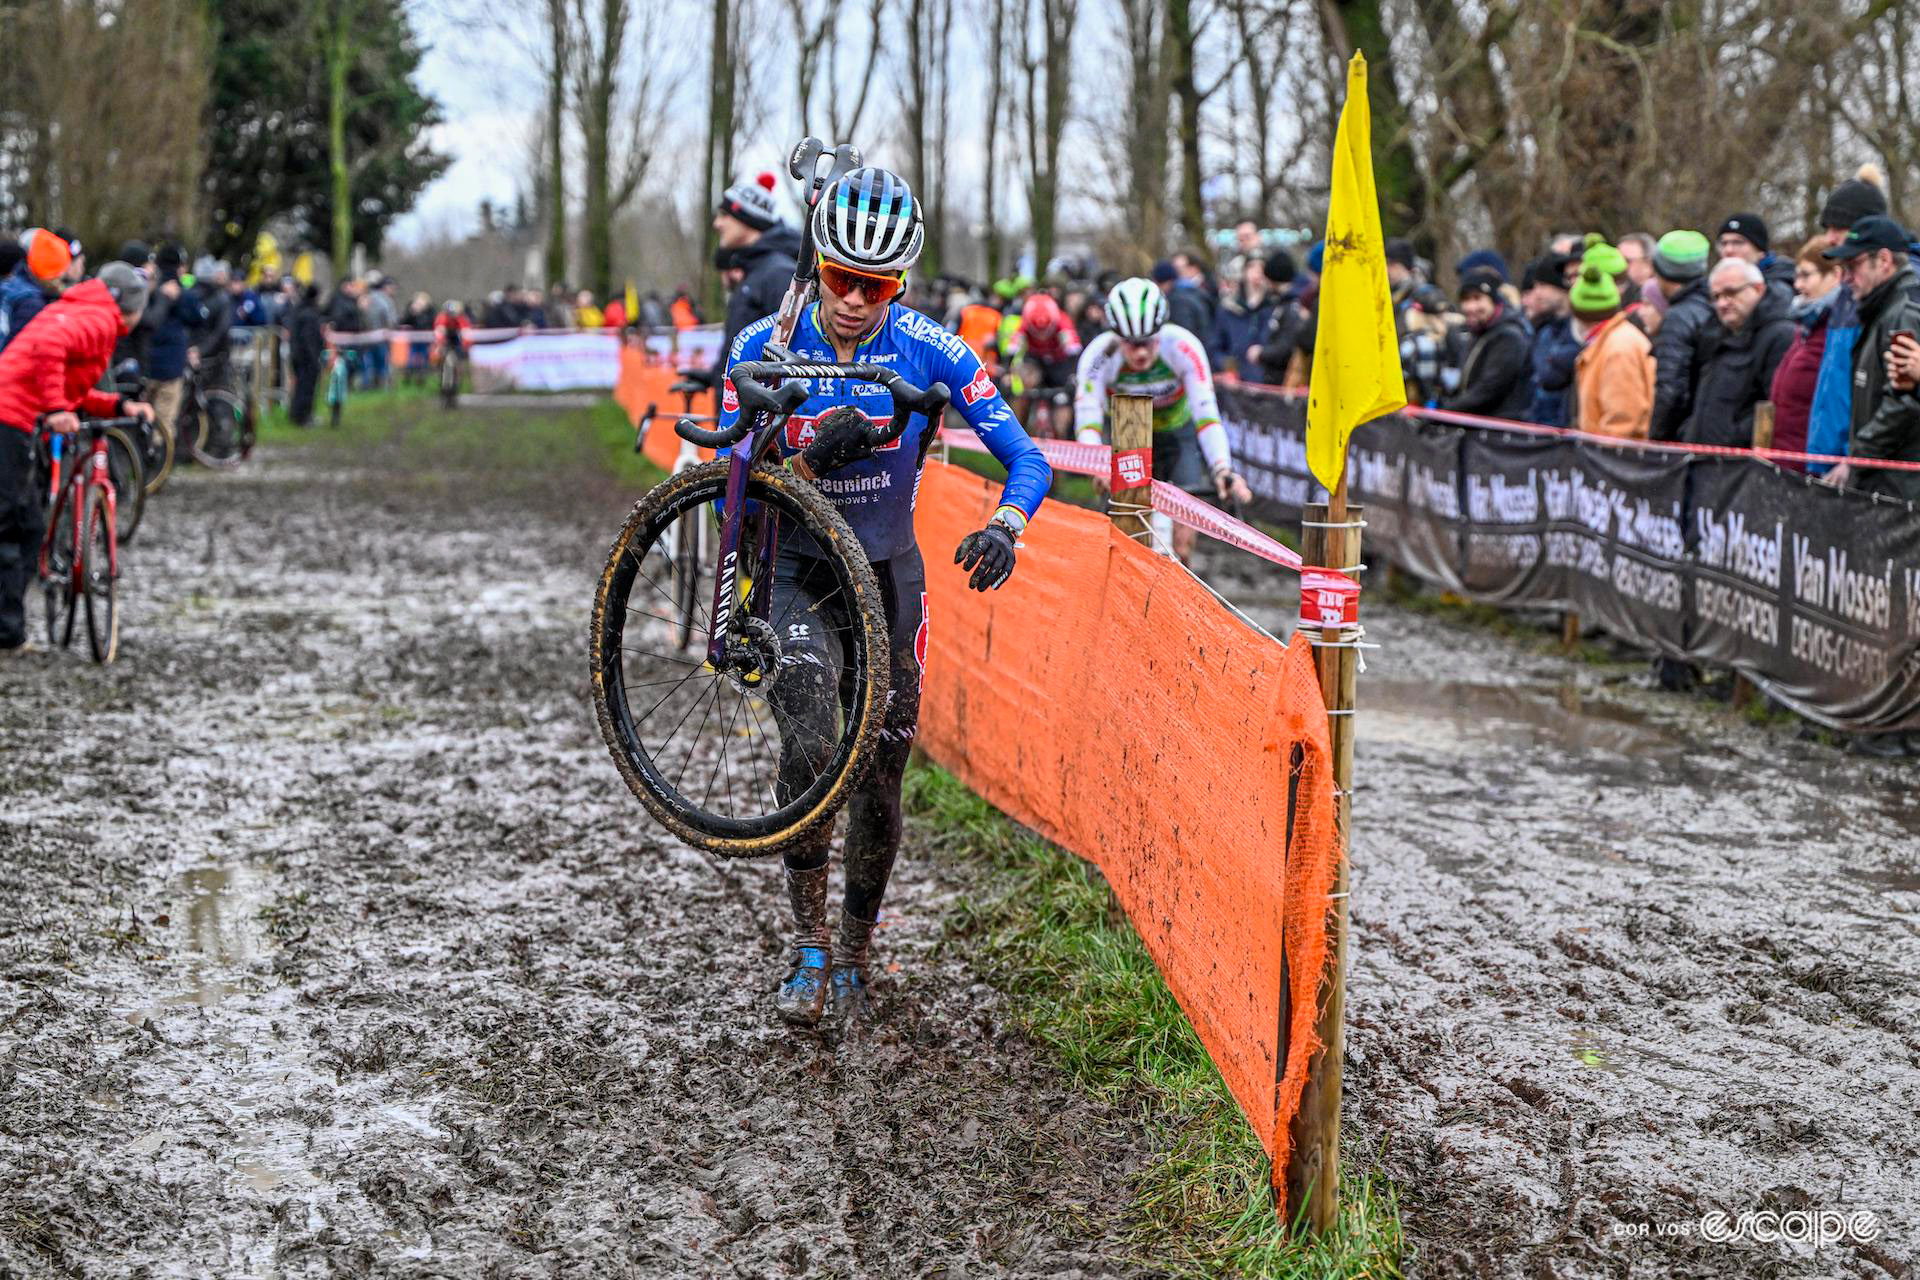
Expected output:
(1136, 309)
(870, 221)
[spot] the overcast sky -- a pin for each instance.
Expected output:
(490, 90)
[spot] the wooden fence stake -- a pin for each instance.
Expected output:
(1743, 688)
(1130, 423)
(1313, 1171)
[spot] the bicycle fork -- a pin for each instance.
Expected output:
(759, 567)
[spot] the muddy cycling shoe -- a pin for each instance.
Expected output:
(849, 978)
(803, 995)
(802, 998)
(847, 994)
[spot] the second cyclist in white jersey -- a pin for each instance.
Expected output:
(1141, 354)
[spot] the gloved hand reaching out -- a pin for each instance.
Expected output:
(989, 554)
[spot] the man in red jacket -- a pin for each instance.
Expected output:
(46, 373)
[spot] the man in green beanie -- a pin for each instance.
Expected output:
(1613, 376)
(1680, 274)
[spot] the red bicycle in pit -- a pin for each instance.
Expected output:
(80, 552)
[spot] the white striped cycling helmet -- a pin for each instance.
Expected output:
(869, 221)
(1136, 309)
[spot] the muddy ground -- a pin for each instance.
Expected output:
(330, 945)
(1621, 959)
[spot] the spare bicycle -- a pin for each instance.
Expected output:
(691, 540)
(80, 551)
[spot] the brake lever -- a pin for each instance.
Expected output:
(803, 163)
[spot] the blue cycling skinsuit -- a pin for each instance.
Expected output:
(877, 497)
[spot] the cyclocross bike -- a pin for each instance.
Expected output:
(741, 794)
(216, 424)
(690, 542)
(80, 551)
(450, 361)
(154, 440)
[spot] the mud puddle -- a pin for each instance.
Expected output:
(331, 946)
(1620, 960)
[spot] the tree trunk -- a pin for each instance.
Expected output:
(996, 91)
(556, 262)
(929, 34)
(1186, 91)
(719, 145)
(1146, 154)
(1047, 120)
(339, 46)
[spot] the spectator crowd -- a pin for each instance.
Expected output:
(1670, 337)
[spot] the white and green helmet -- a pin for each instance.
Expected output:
(1136, 309)
(869, 221)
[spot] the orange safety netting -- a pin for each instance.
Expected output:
(644, 382)
(1106, 700)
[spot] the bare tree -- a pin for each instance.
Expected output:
(554, 192)
(1143, 125)
(928, 80)
(996, 55)
(75, 146)
(817, 35)
(1046, 63)
(616, 100)
(1262, 30)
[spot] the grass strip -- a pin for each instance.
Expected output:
(1043, 928)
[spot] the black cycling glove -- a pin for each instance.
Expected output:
(839, 440)
(989, 553)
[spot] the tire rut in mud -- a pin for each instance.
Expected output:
(331, 944)
(1618, 960)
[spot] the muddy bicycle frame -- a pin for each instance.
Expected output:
(89, 471)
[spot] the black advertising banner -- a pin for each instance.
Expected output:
(1812, 592)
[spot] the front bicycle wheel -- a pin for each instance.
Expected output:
(129, 483)
(748, 758)
(449, 380)
(221, 441)
(97, 571)
(56, 587)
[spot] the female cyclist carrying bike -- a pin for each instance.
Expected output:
(867, 232)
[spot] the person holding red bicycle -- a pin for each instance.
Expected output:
(47, 373)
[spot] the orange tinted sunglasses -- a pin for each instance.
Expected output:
(842, 281)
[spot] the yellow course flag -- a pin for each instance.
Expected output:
(633, 304)
(1356, 357)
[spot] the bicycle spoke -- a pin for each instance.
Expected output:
(669, 693)
(726, 745)
(664, 657)
(698, 699)
(697, 734)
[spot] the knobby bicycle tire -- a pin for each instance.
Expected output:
(221, 440)
(96, 576)
(129, 483)
(56, 589)
(821, 803)
(156, 460)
